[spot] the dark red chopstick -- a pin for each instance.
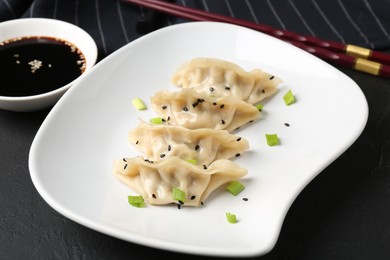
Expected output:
(307, 39)
(319, 48)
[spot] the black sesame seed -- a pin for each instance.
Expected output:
(227, 88)
(137, 142)
(287, 124)
(251, 121)
(162, 155)
(185, 108)
(211, 89)
(124, 159)
(222, 121)
(221, 106)
(124, 168)
(154, 196)
(201, 203)
(272, 77)
(238, 155)
(238, 139)
(193, 197)
(245, 199)
(178, 206)
(168, 118)
(180, 202)
(163, 120)
(197, 147)
(164, 107)
(169, 147)
(214, 103)
(195, 104)
(204, 166)
(263, 91)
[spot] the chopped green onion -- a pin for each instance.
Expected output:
(259, 106)
(272, 139)
(289, 98)
(138, 104)
(136, 201)
(231, 218)
(193, 161)
(178, 195)
(156, 120)
(235, 187)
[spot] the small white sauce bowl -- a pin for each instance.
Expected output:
(49, 28)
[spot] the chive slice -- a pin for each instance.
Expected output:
(136, 201)
(156, 120)
(259, 106)
(193, 161)
(289, 98)
(138, 104)
(272, 139)
(178, 194)
(231, 218)
(235, 187)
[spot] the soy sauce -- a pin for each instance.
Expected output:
(35, 65)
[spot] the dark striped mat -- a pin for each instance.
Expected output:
(113, 23)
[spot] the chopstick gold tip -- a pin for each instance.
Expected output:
(367, 66)
(357, 51)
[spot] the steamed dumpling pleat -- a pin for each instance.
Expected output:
(155, 181)
(215, 77)
(204, 145)
(192, 110)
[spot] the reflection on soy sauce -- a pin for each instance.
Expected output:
(36, 64)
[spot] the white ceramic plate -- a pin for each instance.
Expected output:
(71, 157)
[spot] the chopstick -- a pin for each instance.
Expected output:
(353, 57)
(192, 14)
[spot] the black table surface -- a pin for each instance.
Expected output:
(344, 213)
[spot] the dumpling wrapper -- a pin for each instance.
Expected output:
(155, 181)
(157, 142)
(192, 110)
(215, 77)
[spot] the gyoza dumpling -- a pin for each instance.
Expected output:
(215, 77)
(203, 145)
(155, 181)
(192, 110)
